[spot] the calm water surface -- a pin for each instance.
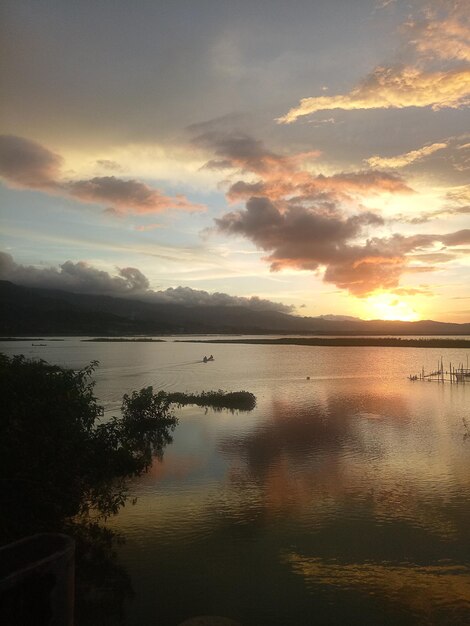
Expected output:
(342, 500)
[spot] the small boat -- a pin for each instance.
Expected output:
(208, 358)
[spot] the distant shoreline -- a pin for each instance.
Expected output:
(125, 339)
(344, 342)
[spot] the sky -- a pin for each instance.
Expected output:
(306, 156)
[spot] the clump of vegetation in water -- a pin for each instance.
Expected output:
(218, 400)
(64, 470)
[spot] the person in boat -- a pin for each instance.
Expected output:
(211, 358)
(205, 359)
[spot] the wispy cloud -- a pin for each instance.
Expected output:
(287, 177)
(433, 39)
(456, 202)
(146, 227)
(394, 88)
(402, 160)
(447, 36)
(27, 164)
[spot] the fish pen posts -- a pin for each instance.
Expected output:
(454, 375)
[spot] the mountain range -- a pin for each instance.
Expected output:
(37, 311)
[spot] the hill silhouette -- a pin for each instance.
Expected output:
(38, 311)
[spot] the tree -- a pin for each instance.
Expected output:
(64, 469)
(59, 462)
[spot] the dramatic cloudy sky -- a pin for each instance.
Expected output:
(315, 154)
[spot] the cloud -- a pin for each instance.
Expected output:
(241, 151)
(145, 227)
(413, 291)
(302, 186)
(195, 297)
(318, 223)
(299, 238)
(442, 37)
(286, 177)
(27, 164)
(457, 202)
(394, 88)
(313, 222)
(81, 277)
(77, 277)
(437, 74)
(405, 159)
(109, 165)
(126, 196)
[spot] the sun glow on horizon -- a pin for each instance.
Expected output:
(386, 306)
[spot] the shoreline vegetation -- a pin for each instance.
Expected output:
(29, 339)
(344, 342)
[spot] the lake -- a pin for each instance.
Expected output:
(339, 500)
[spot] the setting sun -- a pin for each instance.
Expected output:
(387, 306)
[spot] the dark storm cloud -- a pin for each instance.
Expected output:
(81, 277)
(25, 163)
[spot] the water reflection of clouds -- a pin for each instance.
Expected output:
(173, 467)
(317, 461)
(436, 594)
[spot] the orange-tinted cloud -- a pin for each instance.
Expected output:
(241, 151)
(394, 87)
(285, 177)
(298, 218)
(126, 196)
(402, 160)
(27, 164)
(435, 35)
(436, 75)
(301, 238)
